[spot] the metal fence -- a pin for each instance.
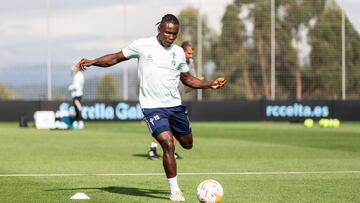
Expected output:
(267, 50)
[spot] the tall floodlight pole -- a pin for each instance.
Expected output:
(125, 83)
(343, 50)
(199, 49)
(49, 88)
(125, 69)
(272, 50)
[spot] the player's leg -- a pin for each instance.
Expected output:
(75, 122)
(166, 140)
(78, 109)
(152, 153)
(177, 156)
(159, 126)
(186, 141)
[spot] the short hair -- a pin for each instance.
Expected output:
(186, 44)
(169, 18)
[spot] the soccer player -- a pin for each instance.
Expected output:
(76, 88)
(161, 65)
(188, 50)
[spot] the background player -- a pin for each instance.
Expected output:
(77, 89)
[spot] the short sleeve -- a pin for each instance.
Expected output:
(132, 50)
(183, 67)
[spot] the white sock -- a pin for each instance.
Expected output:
(174, 187)
(153, 145)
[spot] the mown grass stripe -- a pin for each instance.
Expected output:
(183, 174)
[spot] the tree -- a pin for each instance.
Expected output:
(291, 19)
(296, 18)
(325, 40)
(352, 61)
(107, 88)
(230, 55)
(260, 16)
(188, 31)
(4, 93)
(244, 59)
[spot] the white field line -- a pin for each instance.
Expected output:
(182, 174)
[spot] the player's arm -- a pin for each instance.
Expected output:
(103, 61)
(196, 83)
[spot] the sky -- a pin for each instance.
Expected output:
(90, 28)
(82, 25)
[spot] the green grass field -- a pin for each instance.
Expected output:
(254, 162)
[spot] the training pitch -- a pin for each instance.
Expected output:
(253, 161)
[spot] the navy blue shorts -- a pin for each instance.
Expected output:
(174, 119)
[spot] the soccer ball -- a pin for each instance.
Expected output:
(209, 191)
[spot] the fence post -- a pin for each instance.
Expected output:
(272, 80)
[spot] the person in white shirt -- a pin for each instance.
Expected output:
(76, 88)
(161, 66)
(189, 53)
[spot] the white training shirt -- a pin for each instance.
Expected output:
(159, 72)
(77, 85)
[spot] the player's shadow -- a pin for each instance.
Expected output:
(136, 191)
(130, 191)
(141, 155)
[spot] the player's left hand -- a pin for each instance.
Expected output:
(218, 83)
(84, 63)
(76, 68)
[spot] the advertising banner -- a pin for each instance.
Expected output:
(295, 110)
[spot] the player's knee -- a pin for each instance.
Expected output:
(187, 145)
(168, 145)
(186, 141)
